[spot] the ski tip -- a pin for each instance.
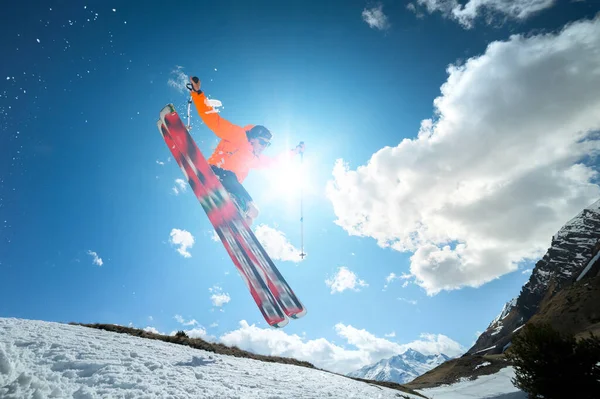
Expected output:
(166, 110)
(161, 127)
(281, 324)
(299, 314)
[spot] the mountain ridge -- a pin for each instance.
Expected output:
(574, 254)
(400, 368)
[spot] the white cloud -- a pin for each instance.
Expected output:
(182, 321)
(180, 186)
(152, 330)
(345, 279)
(197, 332)
(381, 348)
(376, 18)
(184, 239)
(96, 259)
(491, 9)
(390, 335)
(215, 237)
(327, 355)
(413, 8)
(213, 325)
(392, 276)
(436, 343)
(276, 244)
(486, 184)
(218, 298)
(161, 163)
(411, 301)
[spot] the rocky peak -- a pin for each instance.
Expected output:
(574, 248)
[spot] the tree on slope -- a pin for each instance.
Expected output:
(551, 365)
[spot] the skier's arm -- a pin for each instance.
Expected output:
(270, 162)
(220, 126)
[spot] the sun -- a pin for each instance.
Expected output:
(289, 180)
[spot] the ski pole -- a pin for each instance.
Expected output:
(190, 88)
(189, 126)
(302, 254)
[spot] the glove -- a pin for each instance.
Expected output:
(194, 85)
(299, 148)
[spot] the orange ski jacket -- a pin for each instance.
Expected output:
(234, 152)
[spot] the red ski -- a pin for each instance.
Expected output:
(273, 296)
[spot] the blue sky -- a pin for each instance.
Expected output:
(440, 147)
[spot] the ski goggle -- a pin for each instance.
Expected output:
(263, 142)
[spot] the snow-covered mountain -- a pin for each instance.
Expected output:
(400, 368)
(573, 254)
(572, 248)
(497, 324)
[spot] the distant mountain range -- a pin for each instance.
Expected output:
(400, 368)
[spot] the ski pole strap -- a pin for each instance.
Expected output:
(191, 88)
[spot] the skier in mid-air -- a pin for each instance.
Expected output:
(239, 150)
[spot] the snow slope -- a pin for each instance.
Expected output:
(492, 386)
(44, 359)
(41, 359)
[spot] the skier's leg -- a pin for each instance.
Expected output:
(243, 200)
(251, 212)
(247, 205)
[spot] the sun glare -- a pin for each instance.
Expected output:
(289, 180)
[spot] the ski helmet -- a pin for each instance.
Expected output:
(259, 131)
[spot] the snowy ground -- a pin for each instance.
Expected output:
(51, 360)
(41, 359)
(493, 386)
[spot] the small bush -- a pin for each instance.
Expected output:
(553, 366)
(181, 334)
